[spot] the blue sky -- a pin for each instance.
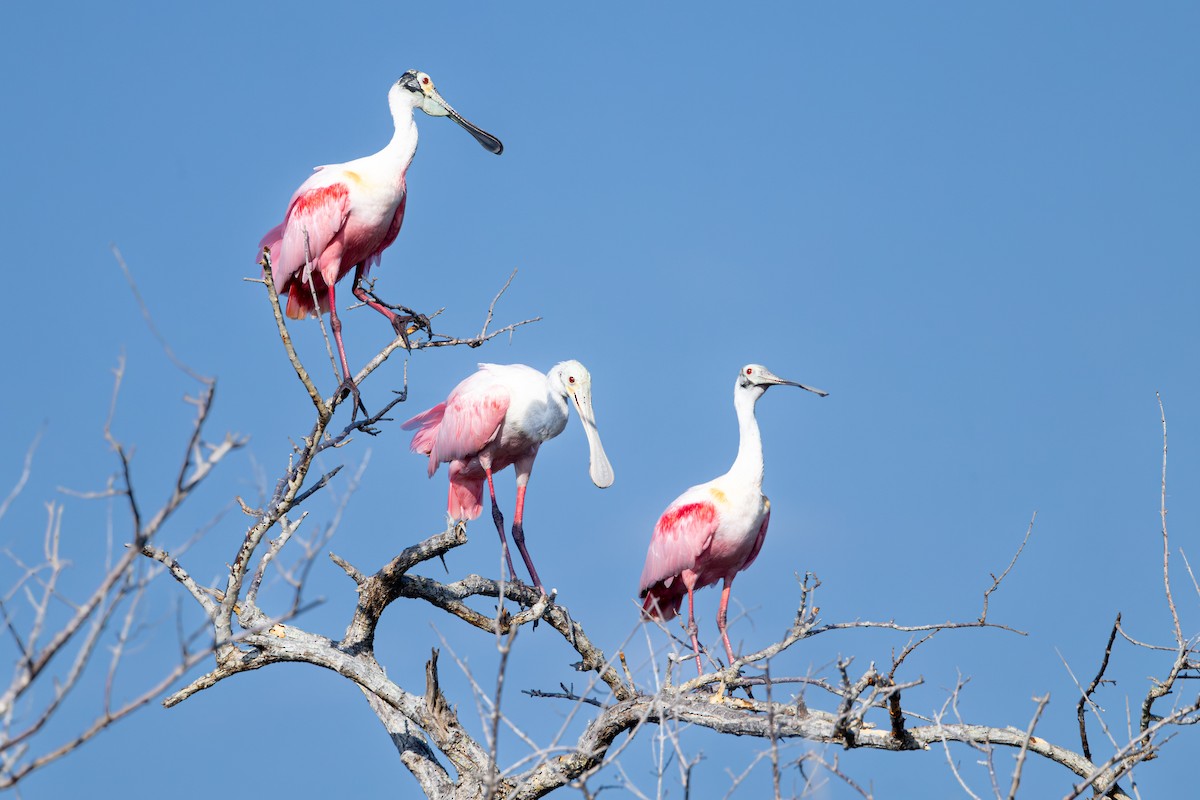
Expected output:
(974, 225)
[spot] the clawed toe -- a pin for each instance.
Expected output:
(347, 388)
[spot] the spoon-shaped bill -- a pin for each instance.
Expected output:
(436, 106)
(599, 468)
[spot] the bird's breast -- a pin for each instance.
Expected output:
(375, 182)
(375, 203)
(740, 511)
(537, 419)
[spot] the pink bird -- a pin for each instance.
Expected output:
(345, 215)
(498, 416)
(715, 530)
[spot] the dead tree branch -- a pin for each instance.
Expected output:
(53, 658)
(864, 708)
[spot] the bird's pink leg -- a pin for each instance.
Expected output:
(721, 611)
(498, 518)
(348, 384)
(689, 583)
(399, 322)
(519, 536)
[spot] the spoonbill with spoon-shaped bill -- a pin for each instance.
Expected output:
(498, 416)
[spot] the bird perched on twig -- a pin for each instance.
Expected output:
(498, 416)
(715, 530)
(345, 215)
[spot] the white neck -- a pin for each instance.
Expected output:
(749, 462)
(403, 145)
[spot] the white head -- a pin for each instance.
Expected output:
(755, 379)
(572, 380)
(416, 89)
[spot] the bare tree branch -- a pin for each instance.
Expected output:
(864, 706)
(1086, 698)
(118, 591)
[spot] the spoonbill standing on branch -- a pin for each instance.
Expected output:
(345, 215)
(714, 531)
(498, 416)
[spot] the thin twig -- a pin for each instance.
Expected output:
(1086, 698)
(149, 318)
(1020, 765)
(996, 581)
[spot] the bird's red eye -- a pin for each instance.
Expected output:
(425, 80)
(571, 379)
(749, 371)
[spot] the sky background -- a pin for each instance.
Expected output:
(974, 225)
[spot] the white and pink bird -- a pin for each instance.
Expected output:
(345, 215)
(715, 530)
(498, 416)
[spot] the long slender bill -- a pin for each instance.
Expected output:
(598, 467)
(820, 392)
(780, 381)
(436, 106)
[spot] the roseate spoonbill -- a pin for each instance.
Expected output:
(345, 215)
(498, 416)
(714, 531)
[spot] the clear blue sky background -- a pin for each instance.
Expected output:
(975, 225)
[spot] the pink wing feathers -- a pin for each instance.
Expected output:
(456, 431)
(319, 209)
(464, 424)
(474, 413)
(426, 423)
(683, 533)
(310, 230)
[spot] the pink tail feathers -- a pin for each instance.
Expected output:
(466, 494)
(662, 601)
(300, 299)
(466, 491)
(427, 423)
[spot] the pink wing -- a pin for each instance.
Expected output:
(466, 491)
(464, 424)
(683, 532)
(273, 240)
(474, 413)
(314, 218)
(762, 534)
(319, 208)
(427, 422)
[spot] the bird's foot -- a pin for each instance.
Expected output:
(405, 325)
(722, 698)
(544, 603)
(349, 388)
(730, 676)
